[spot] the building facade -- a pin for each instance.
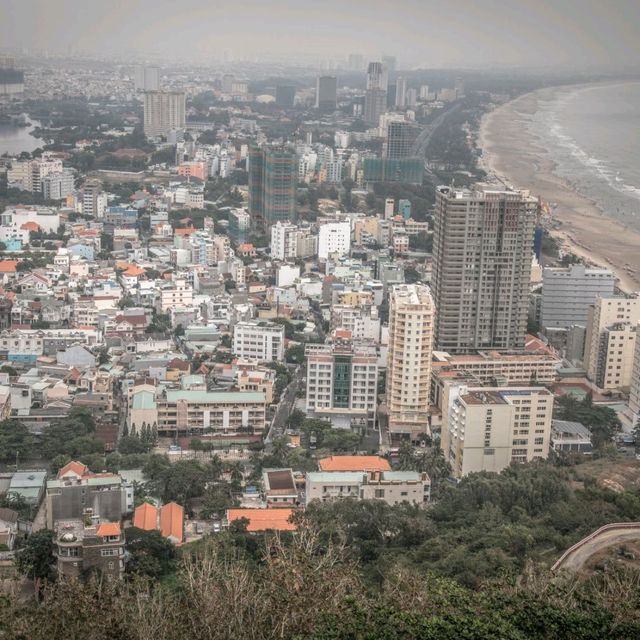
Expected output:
(567, 294)
(342, 379)
(393, 487)
(487, 429)
(334, 238)
(164, 111)
(482, 255)
(411, 321)
(610, 341)
(221, 413)
(326, 93)
(272, 185)
(259, 340)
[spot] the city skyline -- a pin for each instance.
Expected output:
(498, 33)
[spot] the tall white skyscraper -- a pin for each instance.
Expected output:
(411, 317)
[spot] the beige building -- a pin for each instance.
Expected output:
(411, 319)
(492, 367)
(176, 294)
(482, 255)
(182, 412)
(489, 428)
(257, 379)
(164, 111)
(610, 341)
(394, 487)
(633, 412)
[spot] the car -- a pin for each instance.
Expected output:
(216, 527)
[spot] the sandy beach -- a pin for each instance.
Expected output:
(513, 155)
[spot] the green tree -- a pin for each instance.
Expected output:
(35, 560)
(15, 441)
(150, 554)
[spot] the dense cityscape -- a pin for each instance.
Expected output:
(285, 352)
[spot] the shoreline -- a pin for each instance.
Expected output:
(512, 155)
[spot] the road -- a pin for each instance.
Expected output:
(576, 557)
(285, 406)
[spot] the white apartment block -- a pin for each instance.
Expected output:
(261, 341)
(362, 321)
(176, 294)
(342, 379)
(334, 238)
(57, 186)
(164, 111)
(489, 428)
(411, 319)
(284, 241)
(568, 293)
(609, 345)
(393, 487)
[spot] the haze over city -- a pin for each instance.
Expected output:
(429, 33)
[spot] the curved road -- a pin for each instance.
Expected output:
(579, 554)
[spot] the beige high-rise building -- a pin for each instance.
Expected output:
(489, 428)
(633, 412)
(482, 253)
(164, 111)
(610, 341)
(411, 320)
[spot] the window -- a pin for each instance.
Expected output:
(379, 493)
(107, 553)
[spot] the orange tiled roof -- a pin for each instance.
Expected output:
(354, 463)
(8, 266)
(263, 519)
(106, 529)
(184, 231)
(146, 517)
(75, 467)
(133, 270)
(172, 521)
(30, 226)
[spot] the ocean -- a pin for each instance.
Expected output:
(592, 134)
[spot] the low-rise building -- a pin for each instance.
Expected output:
(192, 412)
(279, 488)
(79, 549)
(394, 487)
(570, 437)
(167, 519)
(77, 493)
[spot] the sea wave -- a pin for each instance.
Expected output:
(567, 151)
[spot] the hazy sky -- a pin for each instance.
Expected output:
(426, 32)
